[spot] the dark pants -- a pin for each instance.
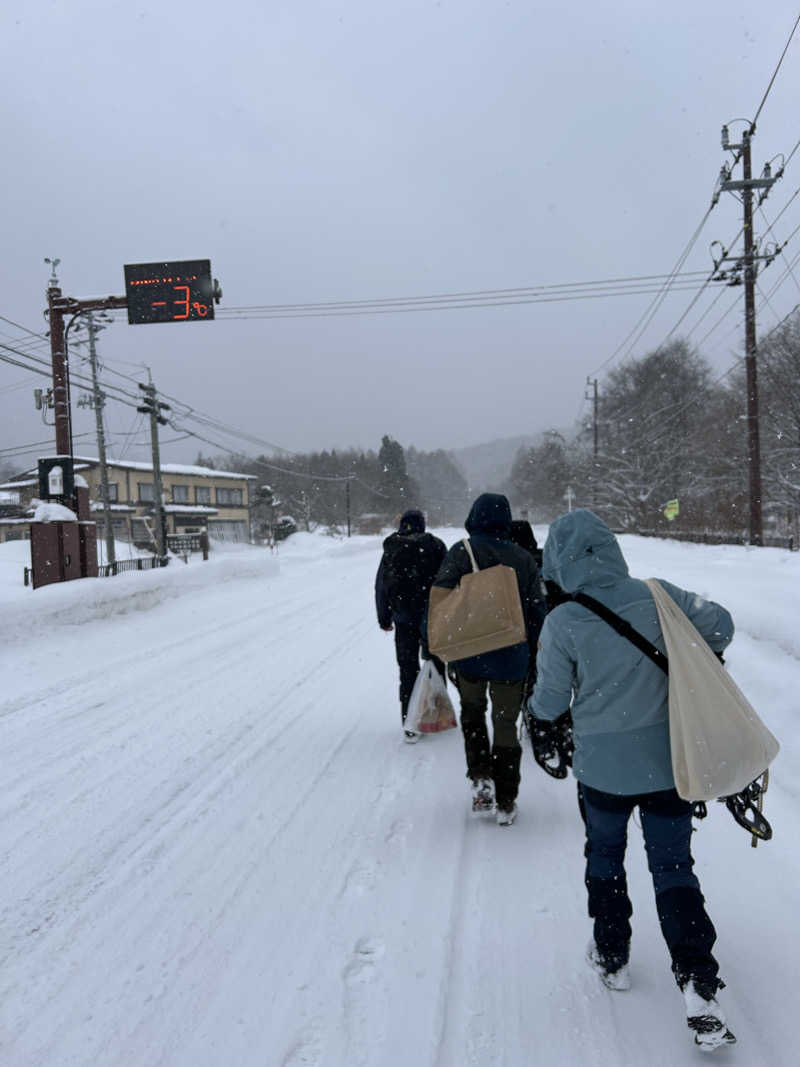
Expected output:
(667, 829)
(500, 760)
(409, 642)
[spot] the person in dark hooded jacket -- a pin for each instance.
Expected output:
(494, 769)
(411, 557)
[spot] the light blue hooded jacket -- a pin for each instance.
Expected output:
(617, 694)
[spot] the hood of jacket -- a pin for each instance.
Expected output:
(581, 551)
(412, 522)
(491, 515)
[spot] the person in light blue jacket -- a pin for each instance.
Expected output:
(618, 700)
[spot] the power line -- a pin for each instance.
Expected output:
(399, 308)
(649, 312)
(774, 76)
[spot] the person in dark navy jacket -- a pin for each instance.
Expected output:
(493, 769)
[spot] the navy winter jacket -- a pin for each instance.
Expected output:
(488, 526)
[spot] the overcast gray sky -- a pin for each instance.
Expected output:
(366, 149)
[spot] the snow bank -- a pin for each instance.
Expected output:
(29, 613)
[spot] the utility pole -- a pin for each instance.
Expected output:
(595, 435)
(153, 407)
(748, 266)
(98, 403)
(58, 358)
(347, 499)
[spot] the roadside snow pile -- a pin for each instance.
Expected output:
(29, 613)
(751, 582)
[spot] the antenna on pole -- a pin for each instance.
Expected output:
(53, 280)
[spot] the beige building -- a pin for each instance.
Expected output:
(195, 499)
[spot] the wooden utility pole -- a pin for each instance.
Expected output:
(748, 264)
(58, 358)
(98, 402)
(153, 408)
(589, 382)
(753, 432)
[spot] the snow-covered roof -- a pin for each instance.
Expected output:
(25, 479)
(168, 468)
(15, 522)
(190, 509)
(97, 505)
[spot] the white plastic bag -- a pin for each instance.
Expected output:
(429, 709)
(719, 744)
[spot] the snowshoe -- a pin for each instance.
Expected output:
(410, 737)
(705, 1018)
(613, 973)
(506, 816)
(482, 796)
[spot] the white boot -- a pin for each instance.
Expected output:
(705, 1018)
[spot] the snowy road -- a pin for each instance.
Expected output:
(216, 850)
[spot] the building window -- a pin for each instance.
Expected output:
(202, 494)
(112, 493)
(227, 530)
(229, 496)
(146, 494)
(180, 494)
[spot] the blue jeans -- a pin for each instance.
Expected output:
(667, 829)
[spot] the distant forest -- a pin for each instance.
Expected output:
(666, 429)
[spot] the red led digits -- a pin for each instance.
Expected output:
(184, 301)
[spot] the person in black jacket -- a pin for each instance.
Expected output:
(522, 534)
(411, 558)
(494, 769)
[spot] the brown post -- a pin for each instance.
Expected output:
(59, 362)
(753, 437)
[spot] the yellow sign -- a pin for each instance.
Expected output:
(672, 510)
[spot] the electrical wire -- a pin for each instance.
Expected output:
(774, 76)
(649, 313)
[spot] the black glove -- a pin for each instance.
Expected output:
(552, 743)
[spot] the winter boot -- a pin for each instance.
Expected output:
(704, 1017)
(613, 971)
(506, 816)
(482, 796)
(410, 737)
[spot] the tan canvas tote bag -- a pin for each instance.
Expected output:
(483, 613)
(719, 744)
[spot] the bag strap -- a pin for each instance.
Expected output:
(468, 547)
(624, 629)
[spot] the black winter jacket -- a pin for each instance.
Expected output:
(405, 576)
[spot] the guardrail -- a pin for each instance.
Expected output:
(141, 563)
(706, 537)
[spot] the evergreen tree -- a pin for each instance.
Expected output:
(398, 489)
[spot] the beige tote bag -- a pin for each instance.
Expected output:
(719, 744)
(483, 613)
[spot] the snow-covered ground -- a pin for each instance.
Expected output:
(218, 852)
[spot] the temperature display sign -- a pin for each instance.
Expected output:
(169, 292)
